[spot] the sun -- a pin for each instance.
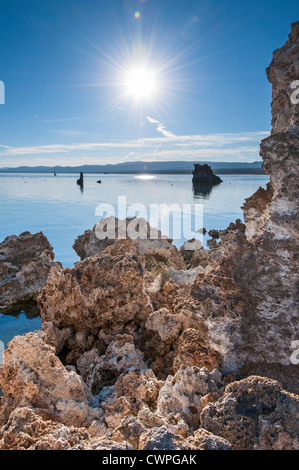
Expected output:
(140, 83)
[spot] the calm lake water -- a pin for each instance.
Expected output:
(59, 208)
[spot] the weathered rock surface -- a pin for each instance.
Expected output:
(195, 255)
(255, 413)
(205, 440)
(32, 376)
(117, 292)
(25, 262)
(26, 430)
(105, 291)
(180, 396)
(150, 239)
(257, 277)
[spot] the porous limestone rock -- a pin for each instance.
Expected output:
(129, 430)
(265, 265)
(180, 396)
(185, 276)
(192, 349)
(255, 413)
(32, 376)
(255, 211)
(102, 444)
(140, 386)
(149, 242)
(103, 290)
(197, 256)
(134, 389)
(222, 304)
(159, 439)
(111, 229)
(26, 430)
(205, 440)
(102, 371)
(25, 262)
(165, 324)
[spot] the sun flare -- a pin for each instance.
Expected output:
(140, 83)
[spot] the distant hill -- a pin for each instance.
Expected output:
(145, 167)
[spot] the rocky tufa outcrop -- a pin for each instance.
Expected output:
(25, 262)
(255, 413)
(147, 347)
(203, 174)
(257, 276)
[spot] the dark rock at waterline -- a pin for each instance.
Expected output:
(204, 174)
(80, 180)
(29, 308)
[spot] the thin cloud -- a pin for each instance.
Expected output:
(152, 121)
(165, 132)
(161, 128)
(198, 141)
(222, 146)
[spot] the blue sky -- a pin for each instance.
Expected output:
(65, 64)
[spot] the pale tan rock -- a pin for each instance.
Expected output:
(186, 276)
(32, 376)
(179, 398)
(115, 410)
(196, 256)
(87, 364)
(150, 419)
(102, 444)
(26, 430)
(155, 248)
(139, 386)
(188, 319)
(104, 289)
(121, 355)
(222, 304)
(165, 324)
(56, 337)
(97, 428)
(129, 430)
(94, 241)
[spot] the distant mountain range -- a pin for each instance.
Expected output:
(144, 167)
